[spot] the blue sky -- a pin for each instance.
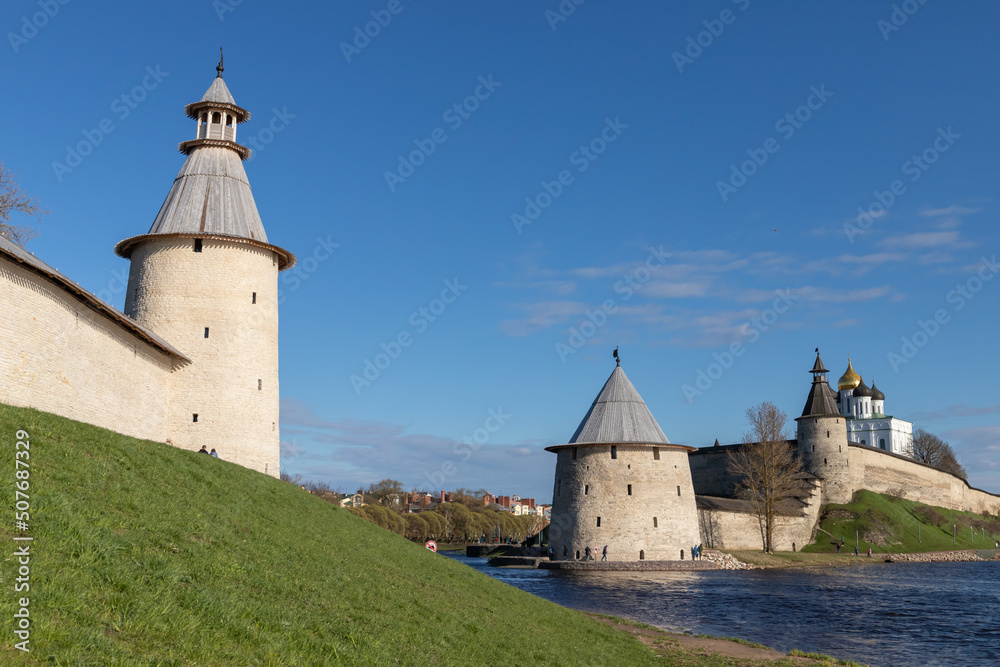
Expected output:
(672, 180)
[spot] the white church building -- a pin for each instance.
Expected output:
(867, 422)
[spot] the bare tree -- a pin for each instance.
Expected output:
(932, 450)
(15, 200)
(388, 491)
(765, 465)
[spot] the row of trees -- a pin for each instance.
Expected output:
(465, 519)
(452, 522)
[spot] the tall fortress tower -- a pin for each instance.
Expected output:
(619, 482)
(205, 278)
(821, 433)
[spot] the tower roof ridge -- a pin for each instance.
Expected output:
(618, 415)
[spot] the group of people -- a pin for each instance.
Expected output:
(587, 553)
(204, 450)
(696, 552)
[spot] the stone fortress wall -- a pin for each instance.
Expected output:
(879, 471)
(220, 305)
(64, 351)
(728, 529)
(61, 353)
(642, 498)
(870, 469)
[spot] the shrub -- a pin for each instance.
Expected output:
(896, 494)
(929, 515)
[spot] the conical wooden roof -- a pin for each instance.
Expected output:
(618, 416)
(218, 92)
(211, 195)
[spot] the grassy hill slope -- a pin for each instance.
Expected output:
(147, 554)
(890, 525)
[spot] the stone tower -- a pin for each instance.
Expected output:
(821, 432)
(619, 482)
(205, 278)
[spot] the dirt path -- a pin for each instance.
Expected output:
(667, 644)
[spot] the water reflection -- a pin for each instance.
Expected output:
(904, 614)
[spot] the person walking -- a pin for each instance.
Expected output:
(604, 554)
(838, 548)
(586, 553)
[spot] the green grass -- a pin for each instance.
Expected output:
(147, 554)
(890, 525)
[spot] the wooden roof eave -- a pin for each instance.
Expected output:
(650, 445)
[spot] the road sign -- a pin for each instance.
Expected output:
(432, 545)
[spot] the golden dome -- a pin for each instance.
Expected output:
(850, 379)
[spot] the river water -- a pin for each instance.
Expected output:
(899, 614)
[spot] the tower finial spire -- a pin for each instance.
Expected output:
(618, 360)
(219, 68)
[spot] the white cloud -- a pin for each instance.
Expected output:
(541, 315)
(920, 240)
(952, 210)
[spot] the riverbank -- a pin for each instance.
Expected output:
(695, 649)
(794, 559)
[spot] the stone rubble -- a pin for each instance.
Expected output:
(727, 562)
(933, 557)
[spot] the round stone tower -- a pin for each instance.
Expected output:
(619, 482)
(205, 278)
(821, 433)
